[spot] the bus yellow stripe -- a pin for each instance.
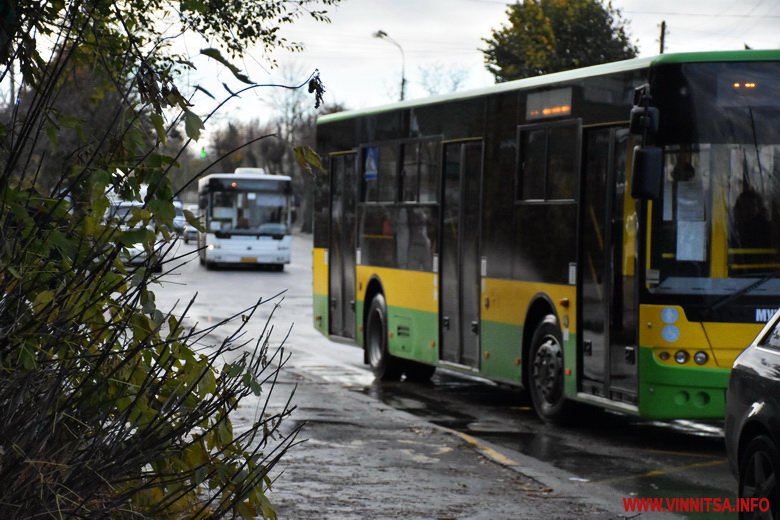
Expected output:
(416, 290)
(506, 301)
(319, 271)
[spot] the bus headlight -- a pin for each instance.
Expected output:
(212, 247)
(681, 356)
(700, 358)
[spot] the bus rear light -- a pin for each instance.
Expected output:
(681, 356)
(700, 358)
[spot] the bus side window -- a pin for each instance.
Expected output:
(388, 172)
(562, 166)
(533, 163)
(548, 163)
(420, 164)
(410, 171)
(370, 173)
(430, 152)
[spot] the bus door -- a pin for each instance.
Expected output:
(460, 269)
(341, 249)
(608, 299)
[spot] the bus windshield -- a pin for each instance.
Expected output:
(716, 229)
(248, 213)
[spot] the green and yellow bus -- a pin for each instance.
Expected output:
(608, 235)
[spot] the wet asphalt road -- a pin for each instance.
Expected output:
(610, 455)
(611, 451)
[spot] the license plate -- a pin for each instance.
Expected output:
(249, 259)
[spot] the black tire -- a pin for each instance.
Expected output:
(758, 473)
(384, 366)
(545, 374)
(418, 372)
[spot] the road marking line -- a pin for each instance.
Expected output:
(657, 472)
(677, 453)
(490, 453)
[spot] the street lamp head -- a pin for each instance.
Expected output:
(383, 35)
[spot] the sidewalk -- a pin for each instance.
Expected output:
(365, 460)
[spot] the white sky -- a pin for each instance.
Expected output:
(359, 70)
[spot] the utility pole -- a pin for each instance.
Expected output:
(663, 35)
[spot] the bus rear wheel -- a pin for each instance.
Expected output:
(546, 374)
(385, 366)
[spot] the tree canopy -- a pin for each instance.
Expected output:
(544, 36)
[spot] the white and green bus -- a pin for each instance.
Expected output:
(246, 216)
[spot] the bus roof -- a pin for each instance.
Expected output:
(254, 176)
(569, 75)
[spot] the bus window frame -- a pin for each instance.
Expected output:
(398, 146)
(363, 148)
(437, 140)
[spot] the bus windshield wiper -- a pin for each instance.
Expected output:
(744, 290)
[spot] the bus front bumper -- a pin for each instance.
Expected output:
(275, 253)
(680, 392)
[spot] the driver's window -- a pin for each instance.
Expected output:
(686, 202)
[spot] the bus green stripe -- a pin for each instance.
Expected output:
(413, 334)
(321, 313)
(715, 56)
(503, 344)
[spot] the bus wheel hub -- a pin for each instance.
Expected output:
(547, 370)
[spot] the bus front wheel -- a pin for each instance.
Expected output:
(545, 373)
(385, 366)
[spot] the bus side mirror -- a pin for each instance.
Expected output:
(203, 202)
(648, 171)
(644, 120)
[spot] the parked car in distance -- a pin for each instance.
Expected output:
(190, 233)
(133, 255)
(178, 220)
(753, 421)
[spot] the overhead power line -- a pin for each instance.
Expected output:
(710, 15)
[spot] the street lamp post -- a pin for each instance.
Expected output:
(382, 35)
